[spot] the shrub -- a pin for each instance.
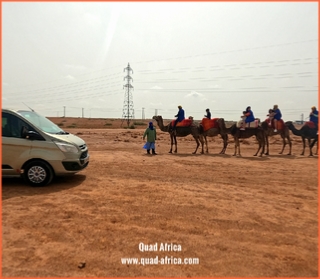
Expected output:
(139, 123)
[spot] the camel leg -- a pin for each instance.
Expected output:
(175, 143)
(313, 143)
(260, 146)
(267, 143)
(290, 145)
(235, 147)
(263, 145)
(202, 143)
(310, 148)
(171, 138)
(303, 145)
(197, 141)
(205, 139)
(259, 142)
(225, 143)
(283, 143)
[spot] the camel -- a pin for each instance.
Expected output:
(305, 133)
(284, 133)
(212, 132)
(180, 132)
(247, 133)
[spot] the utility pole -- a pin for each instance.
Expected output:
(82, 112)
(64, 111)
(156, 112)
(128, 111)
(143, 116)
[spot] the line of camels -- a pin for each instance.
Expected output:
(262, 133)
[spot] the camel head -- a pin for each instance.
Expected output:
(289, 124)
(157, 118)
(232, 129)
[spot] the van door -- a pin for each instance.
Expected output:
(15, 149)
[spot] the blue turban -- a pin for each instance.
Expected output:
(150, 125)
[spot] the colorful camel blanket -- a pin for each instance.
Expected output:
(209, 123)
(310, 124)
(183, 123)
(280, 124)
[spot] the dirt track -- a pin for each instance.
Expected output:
(241, 217)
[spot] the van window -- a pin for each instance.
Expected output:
(12, 125)
(41, 122)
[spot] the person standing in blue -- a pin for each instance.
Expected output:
(314, 116)
(277, 116)
(180, 117)
(208, 115)
(249, 117)
(151, 135)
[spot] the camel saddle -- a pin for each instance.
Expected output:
(253, 124)
(280, 124)
(209, 123)
(310, 124)
(183, 123)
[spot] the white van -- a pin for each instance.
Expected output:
(36, 149)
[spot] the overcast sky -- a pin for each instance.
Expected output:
(223, 56)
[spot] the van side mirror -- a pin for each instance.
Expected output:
(32, 135)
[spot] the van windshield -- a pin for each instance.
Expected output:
(41, 122)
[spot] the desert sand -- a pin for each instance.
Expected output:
(239, 216)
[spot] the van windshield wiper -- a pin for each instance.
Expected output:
(62, 133)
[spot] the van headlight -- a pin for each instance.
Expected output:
(64, 147)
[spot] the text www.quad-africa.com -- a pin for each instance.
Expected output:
(157, 260)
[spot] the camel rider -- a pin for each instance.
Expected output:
(314, 116)
(180, 117)
(248, 117)
(208, 115)
(277, 116)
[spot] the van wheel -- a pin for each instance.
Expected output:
(37, 173)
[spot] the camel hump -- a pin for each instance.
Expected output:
(280, 124)
(209, 123)
(183, 123)
(310, 124)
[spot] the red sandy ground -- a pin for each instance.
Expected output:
(241, 217)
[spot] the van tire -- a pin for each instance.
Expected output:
(37, 173)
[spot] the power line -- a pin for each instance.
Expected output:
(184, 57)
